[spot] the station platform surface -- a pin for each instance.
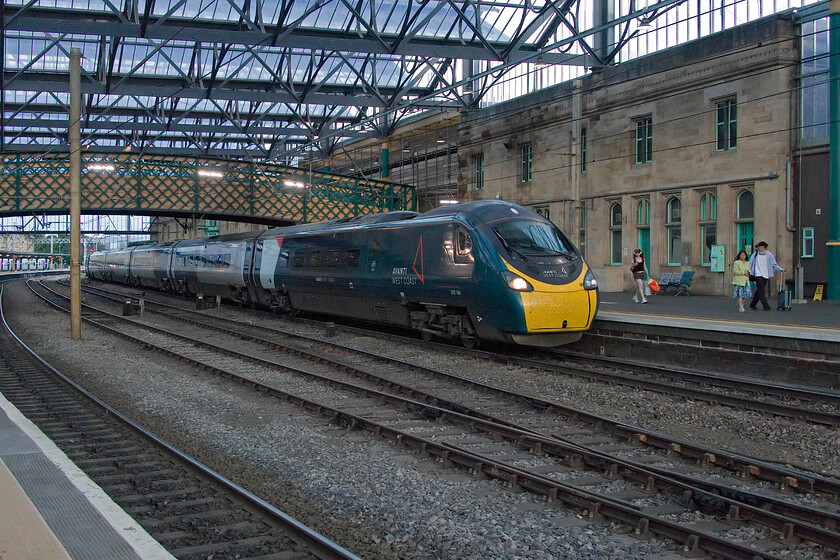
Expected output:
(51, 510)
(812, 320)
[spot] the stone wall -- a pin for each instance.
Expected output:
(678, 90)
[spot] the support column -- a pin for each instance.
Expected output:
(386, 164)
(834, 155)
(74, 135)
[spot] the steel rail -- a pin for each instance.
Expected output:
(738, 511)
(323, 545)
(782, 476)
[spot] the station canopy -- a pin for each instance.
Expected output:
(268, 80)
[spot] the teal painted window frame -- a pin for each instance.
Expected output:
(615, 233)
(674, 227)
(479, 171)
(525, 163)
(738, 210)
(708, 227)
(643, 212)
(807, 243)
(644, 140)
(726, 125)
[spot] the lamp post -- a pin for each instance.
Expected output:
(74, 135)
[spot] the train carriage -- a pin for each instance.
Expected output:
(483, 270)
(215, 266)
(151, 266)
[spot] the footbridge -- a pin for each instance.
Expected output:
(182, 186)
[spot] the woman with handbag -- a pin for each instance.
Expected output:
(638, 268)
(741, 280)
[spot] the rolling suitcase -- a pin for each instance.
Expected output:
(784, 296)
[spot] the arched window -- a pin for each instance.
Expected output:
(708, 226)
(615, 233)
(643, 212)
(744, 214)
(674, 226)
(745, 206)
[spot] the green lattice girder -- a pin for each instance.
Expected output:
(157, 185)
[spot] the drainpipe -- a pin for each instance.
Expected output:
(833, 248)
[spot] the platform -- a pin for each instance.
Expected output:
(800, 346)
(814, 320)
(52, 510)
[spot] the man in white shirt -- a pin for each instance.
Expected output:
(762, 267)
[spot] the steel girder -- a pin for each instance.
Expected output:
(261, 79)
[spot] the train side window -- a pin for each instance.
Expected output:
(283, 259)
(300, 258)
(352, 258)
(315, 259)
(331, 260)
(464, 242)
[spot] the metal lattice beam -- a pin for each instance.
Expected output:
(261, 79)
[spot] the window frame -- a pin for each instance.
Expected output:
(674, 225)
(807, 236)
(643, 212)
(478, 172)
(726, 124)
(644, 140)
(738, 216)
(583, 150)
(525, 163)
(707, 221)
(615, 229)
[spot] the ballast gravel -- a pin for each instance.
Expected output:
(377, 500)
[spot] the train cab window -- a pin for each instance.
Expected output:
(351, 257)
(314, 259)
(300, 258)
(283, 259)
(331, 260)
(464, 242)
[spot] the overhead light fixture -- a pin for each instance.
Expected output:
(440, 140)
(102, 167)
(293, 183)
(210, 173)
(448, 201)
(644, 22)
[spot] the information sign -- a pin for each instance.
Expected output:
(717, 256)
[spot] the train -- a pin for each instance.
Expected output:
(24, 264)
(475, 272)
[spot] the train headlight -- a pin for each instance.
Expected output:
(589, 282)
(517, 283)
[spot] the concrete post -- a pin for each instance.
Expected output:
(74, 135)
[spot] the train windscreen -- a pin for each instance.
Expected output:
(533, 238)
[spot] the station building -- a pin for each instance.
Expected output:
(695, 146)
(709, 146)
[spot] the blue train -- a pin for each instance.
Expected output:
(471, 272)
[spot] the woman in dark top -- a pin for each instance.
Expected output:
(638, 267)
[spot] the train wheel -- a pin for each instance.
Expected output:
(426, 335)
(469, 342)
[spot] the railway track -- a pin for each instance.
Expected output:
(194, 512)
(819, 407)
(559, 459)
